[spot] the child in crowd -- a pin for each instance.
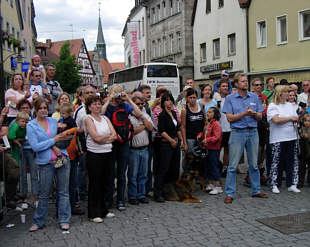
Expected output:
(304, 143)
(65, 123)
(17, 134)
(36, 65)
(212, 140)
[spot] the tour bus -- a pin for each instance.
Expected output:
(152, 74)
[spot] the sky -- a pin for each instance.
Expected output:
(55, 19)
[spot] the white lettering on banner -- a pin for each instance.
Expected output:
(134, 46)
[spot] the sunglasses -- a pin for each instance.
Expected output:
(139, 103)
(258, 85)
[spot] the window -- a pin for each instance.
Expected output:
(17, 35)
(208, 6)
(163, 9)
(281, 30)
(29, 16)
(13, 32)
(261, 34)
(11, 3)
(154, 48)
(165, 43)
(24, 10)
(171, 43)
(216, 49)
(25, 51)
(143, 56)
(304, 25)
(221, 3)
(232, 44)
(153, 15)
(158, 13)
(159, 48)
(203, 52)
(178, 6)
(140, 58)
(142, 26)
(139, 29)
(171, 7)
(179, 41)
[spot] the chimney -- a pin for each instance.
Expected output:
(49, 43)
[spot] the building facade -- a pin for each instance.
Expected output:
(135, 37)
(279, 39)
(169, 34)
(50, 52)
(220, 38)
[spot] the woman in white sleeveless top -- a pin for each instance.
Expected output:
(99, 137)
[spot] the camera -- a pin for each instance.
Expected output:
(302, 104)
(118, 95)
(11, 104)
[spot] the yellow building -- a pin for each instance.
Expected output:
(279, 39)
(12, 27)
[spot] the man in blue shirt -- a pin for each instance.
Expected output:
(242, 110)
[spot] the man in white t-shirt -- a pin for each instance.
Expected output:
(303, 97)
(37, 87)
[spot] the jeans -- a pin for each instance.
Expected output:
(120, 156)
(137, 172)
(47, 174)
(190, 145)
(167, 169)
(240, 138)
(73, 183)
(212, 163)
(82, 176)
(28, 159)
(149, 183)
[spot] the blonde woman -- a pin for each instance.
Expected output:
(62, 98)
(283, 119)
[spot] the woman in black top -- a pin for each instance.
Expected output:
(192, 121)
(168, 167)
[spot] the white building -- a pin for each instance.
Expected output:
(219, 37)
(135, 37)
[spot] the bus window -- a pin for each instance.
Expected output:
(161, 71)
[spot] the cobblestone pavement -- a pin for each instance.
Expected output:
(210, 223)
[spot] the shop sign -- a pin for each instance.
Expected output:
(216, 67)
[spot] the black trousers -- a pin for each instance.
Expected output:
(100, 168)
(167, 169)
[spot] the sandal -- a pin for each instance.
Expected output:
(64, 227)
(33, 228)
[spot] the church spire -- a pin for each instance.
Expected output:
(101, 46)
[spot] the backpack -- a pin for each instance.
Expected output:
(121, 123)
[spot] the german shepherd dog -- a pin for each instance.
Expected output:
(196, 168)
(181, 190)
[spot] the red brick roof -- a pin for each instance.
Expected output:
(117, 66)
(54, 51)
(108, 67)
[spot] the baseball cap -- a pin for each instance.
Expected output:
(225, 72)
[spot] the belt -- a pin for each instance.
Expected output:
(138, 148)
(247, 128)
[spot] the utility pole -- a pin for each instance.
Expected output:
(1, 64)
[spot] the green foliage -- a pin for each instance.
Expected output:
(67, 70)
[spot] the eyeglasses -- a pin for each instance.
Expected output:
(139, 103)
(37, 75)
(259, 84)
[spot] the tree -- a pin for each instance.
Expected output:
(67, 70)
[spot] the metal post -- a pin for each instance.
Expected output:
(1, 64)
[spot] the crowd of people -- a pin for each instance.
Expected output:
(79, 149)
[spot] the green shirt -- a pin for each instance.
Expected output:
(16, 132)
(268, 94)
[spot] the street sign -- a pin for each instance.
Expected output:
(25, 66)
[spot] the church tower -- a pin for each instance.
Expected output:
(100, 45)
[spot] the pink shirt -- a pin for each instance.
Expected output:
(15, 94)
(157, 110)
(54, 157)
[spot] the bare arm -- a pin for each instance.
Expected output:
(91, 129)
(281, 120)
(148, 125)
(139, 129)
(183, 128)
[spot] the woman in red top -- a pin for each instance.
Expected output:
(212, 140)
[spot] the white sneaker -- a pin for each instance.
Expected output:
(110, 215)
(209, 187)
(36, 203)
(97, 220)
(216, 190)
(293, 188)
(275, 190)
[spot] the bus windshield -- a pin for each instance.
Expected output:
(161, 71)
